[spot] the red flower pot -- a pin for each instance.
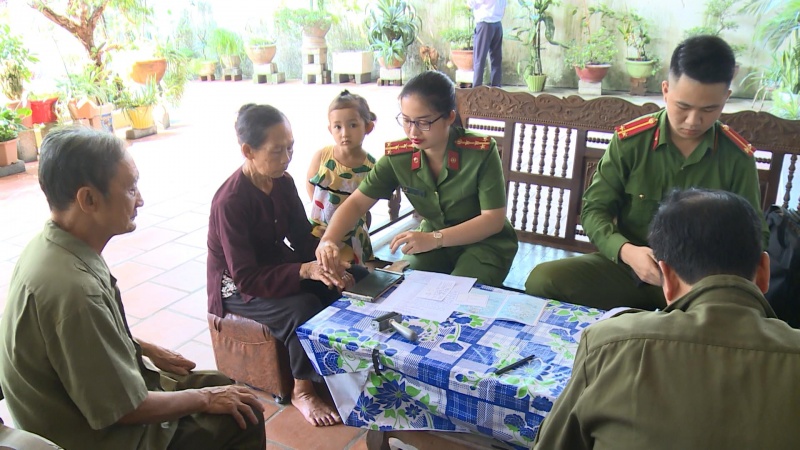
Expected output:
(43, 111)
(592, 73)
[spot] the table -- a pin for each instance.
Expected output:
(445, 381)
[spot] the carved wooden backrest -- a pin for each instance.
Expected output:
(550, 147)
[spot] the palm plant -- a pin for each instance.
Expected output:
(535, 20)
(393, 28)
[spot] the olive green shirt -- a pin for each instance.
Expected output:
(715, 370)
(474, 182)
(69, 367)
(635, 174)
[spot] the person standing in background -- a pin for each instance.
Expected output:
(488, 39)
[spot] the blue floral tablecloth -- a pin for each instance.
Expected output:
(446, 380)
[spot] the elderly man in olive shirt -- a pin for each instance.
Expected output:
(69, 367)
(715, 369)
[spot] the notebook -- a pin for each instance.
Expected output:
(373, 285)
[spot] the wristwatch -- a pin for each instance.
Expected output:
(439, 239)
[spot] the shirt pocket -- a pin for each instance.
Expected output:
(644, 201)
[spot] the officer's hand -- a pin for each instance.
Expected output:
(234, 400)
(642, 261)
(327, 254)
(413, 242)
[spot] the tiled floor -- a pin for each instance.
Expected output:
(161, 266)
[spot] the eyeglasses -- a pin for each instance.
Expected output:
(422, 125)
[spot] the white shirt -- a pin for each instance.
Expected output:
(489, 11)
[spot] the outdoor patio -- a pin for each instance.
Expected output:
(161, 265)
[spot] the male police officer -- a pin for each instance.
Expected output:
(680, 147)
(715, 369)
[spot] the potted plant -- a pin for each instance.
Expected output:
(137, 105)
(14, 70)
(535, 19)
(260, 49)
(461, 46)
(592, 58)
(43, 107)
(10, 126)
(178, 73)
(348, 42)
(229, 46)
(89, 94)
(315, 22)
(393, 28)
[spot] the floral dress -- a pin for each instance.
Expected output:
(333, 183)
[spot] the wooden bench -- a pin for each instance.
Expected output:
(550, 147)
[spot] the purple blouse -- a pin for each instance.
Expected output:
(248, 232)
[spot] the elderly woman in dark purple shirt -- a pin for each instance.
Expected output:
(261, 261)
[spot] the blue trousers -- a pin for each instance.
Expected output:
(488, 41)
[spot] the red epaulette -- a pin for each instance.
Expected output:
(636, 126)
(399, 147)
(474, 142)
(737, 139)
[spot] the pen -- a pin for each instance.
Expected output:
(514, 365)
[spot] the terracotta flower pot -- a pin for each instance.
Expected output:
(393, 64)
(592, 73)
(314, 31)
(44, 111)
(262, 54)
(143, 70)
(231, 61)
(208, 68)
(8, 152)
(462, 59)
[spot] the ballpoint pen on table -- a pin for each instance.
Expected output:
(514, 365)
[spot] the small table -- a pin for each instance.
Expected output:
(445, 381)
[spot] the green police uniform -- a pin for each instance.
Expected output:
(715, 370)
(69, 367)
(638, 169)
(471, 180)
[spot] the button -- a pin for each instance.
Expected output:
(276, 220)
(641, 196)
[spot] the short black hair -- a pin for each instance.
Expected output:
(703, 232)
(705, 58)
(435, 88)
(74, 157)
(253, 122)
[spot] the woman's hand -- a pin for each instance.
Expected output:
(328, 255)
(333, 279)
(413, 242)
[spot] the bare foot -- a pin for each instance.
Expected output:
(313, 408)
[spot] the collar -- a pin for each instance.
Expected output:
(661, 137)
(66, 240)
(748, 295)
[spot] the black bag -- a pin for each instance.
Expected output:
(784, 264)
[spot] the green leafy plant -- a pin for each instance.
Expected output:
(16, 58)
(718, 18)
(393, 28)
(260, 41)
(92, 83)
(11, 122)
(179, 71)
(289, 18)
(598, 48)
(459, 38)
(534, 19)
(226, 43)
(132, 98)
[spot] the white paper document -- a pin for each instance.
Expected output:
(500, 305)
(427, 295)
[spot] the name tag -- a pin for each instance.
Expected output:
(413, 191)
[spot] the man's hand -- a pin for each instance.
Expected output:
(169, 361)
(642, 261)
(233, 400)
(413, 242)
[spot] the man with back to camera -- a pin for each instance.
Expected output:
(715, 369)
(681, 146)
(488, 40)
(69, 367)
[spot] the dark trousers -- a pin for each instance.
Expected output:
(595, 281)
(488, 41)
(211, 431)
(283, 315)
